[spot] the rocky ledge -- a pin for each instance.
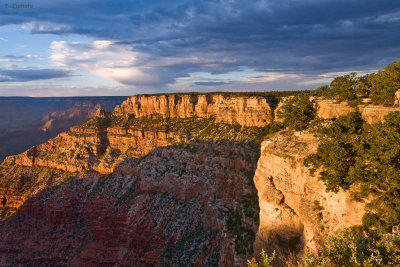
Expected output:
(296, 211)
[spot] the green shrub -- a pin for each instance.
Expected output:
(336, 153)
(324, 91)
(310, 260)
(384, 84)
(343, 87)
(354, 248)
(297, 112)
(368, 155)
(380, 86)
(269, 129)
(265, 261)
(348, 87)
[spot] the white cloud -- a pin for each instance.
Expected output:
(49, 89)
(106, 59)
(4, 40)
(122, 63)
(332, 74)
(271, 77)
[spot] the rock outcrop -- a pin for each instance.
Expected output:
(296, 211)
(143, 123)
(71, 111)
(247, 111)
(102, 147)
(329, 109)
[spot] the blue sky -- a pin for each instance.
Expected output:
(86, 47)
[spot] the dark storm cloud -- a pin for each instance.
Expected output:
(303, 36)
(31, 75)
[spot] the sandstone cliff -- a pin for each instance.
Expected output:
(329, 109)
(295, 209)
(105, 141)
(247, 111)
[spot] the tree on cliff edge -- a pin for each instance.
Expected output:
(384, 84)
(297, 112)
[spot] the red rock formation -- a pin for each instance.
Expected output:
(172, 215)
(247, 111)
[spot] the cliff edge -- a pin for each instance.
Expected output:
(295, 210)
(247, 111)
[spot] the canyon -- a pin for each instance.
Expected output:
(27, 122)
(171, 180)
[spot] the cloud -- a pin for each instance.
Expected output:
(271, 77)
(56, 90)
(155, 43)
(3, 39)
(124, 64)
(211, 83)
(26, 75)
(104, 58)
(46, 27)
(14, 58)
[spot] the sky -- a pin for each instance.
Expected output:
(126, 47)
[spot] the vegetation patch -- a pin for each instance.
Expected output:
(187, 249)
(380, 86)
(297, 112)
(186, 129)
(353, 153)
(251, 208)
(244, 236)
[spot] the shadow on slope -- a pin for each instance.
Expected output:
(184, 205)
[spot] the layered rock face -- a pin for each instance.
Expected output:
(329, 109)
(18, 183)
(173, 207)
(100, 150)
(133, 191)
(69, 112)
(105, 141)
(295, 209)
(247, 111)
